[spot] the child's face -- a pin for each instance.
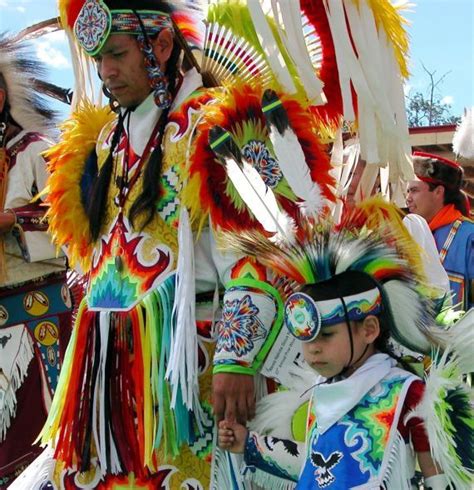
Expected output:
(330, 352)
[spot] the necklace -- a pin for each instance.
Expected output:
(125, 184)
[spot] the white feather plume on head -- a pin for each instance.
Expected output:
(410, 318)
(463, 140)
(19, 70)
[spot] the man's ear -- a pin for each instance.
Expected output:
(163, 46)
(3, 99)
(370, 329)
(439, 191)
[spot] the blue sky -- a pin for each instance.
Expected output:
(441, 31)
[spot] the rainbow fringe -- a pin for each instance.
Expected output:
(113, 401)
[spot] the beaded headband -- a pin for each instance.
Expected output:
(304, 317)
(96, 22)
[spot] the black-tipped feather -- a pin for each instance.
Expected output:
(274, 112)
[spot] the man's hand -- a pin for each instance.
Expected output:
(233, 397)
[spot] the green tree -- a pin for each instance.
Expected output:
(428, 109)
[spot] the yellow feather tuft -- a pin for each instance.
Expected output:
(389, 18)
(386, 218)
(190, 197)
(68, 222)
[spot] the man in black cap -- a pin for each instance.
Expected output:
(436, 195)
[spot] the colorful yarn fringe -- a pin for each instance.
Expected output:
(115, 404)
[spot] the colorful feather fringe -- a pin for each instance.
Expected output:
(239, 111)
(115, 403)
(446, 408)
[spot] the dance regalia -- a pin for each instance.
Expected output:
(356, 435)
(111, 415)
(35, 310)
(359, 427)
(455, 243)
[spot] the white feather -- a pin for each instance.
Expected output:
(463, 141)
(275, 412)
(20, 88)
(408, 313)
(460, 339)
(291, 32)
(292, 162)
(259, 198)
(270, 46)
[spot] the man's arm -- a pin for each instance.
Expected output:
(251, 319)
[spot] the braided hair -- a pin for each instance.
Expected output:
(146, 201)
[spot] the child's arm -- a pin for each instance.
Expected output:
(434, 479)
(432, 474)
(280, 458)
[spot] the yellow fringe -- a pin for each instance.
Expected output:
(389, 18)
(68, 222)
(386, 218)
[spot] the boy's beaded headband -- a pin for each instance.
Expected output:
(305, 317)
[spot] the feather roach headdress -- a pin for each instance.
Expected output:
(348, 271)
(21, 73)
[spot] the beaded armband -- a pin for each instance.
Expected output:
(251, 320)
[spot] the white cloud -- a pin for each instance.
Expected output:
(21, 9)
(55, 37)
(406, 89)
(447, 100)
(50, 55)
(3, 3)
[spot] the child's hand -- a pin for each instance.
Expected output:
(232, 436)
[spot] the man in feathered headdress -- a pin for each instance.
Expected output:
(35, 305)
(436, 195)
(134, 403)
(133, 406)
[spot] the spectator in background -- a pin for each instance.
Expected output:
(436, 195)
(35, 305)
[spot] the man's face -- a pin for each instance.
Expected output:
(420, 200)
(121, 67)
